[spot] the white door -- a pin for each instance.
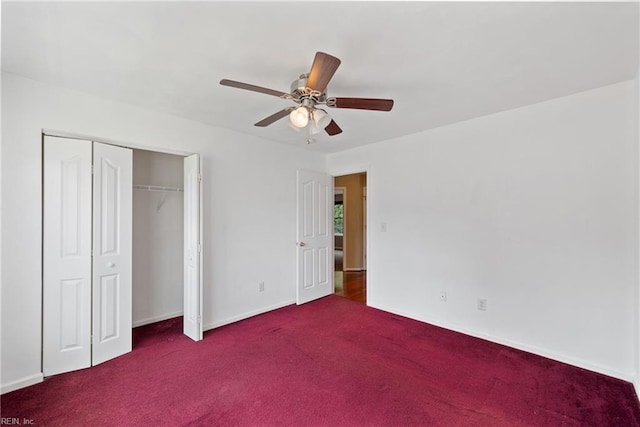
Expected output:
(315, 236)
(192, 318)
(66, 312)
(112, 258)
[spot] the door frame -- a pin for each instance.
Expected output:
(365, 228)
(366, 169)
(70, 135)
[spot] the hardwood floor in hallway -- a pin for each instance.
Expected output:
(349, 284)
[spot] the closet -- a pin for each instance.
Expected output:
(158, 199)
(88, 249)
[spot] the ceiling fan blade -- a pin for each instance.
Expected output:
(274, 117)
(333, 128)
(254, 88)
(361, 103)
(323, 68)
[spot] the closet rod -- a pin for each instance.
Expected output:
(157, 188)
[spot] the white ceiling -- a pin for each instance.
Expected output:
(441, 62)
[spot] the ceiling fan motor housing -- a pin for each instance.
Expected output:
(300, 91)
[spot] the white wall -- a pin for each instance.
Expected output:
(157, 238)
(249, 208)
(533, 209)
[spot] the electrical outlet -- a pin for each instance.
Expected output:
(482, 304)
(261, 287)
(443, 296)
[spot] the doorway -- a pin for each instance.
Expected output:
(167, 235)
(158, 229)
(350, 252)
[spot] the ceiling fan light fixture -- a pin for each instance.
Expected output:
(291, 126)
(321, 118)
(299, 117)
(313, 128)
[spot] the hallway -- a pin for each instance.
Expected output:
(349, 284)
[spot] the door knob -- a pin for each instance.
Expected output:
(110, 265)
(302, 244)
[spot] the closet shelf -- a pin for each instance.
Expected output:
(157, 188)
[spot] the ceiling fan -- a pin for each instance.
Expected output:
(309, 91)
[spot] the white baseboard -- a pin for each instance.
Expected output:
(234, 319)
(520, 346)
(155, 319)
(22, 382)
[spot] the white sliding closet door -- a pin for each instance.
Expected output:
(112, 257)
(192, 248)
(66, 287)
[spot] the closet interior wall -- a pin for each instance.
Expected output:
(157, 236)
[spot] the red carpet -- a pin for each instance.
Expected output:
(332, 362)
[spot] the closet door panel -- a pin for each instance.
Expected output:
(192, 319)
(112, 242)
(66, 289)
